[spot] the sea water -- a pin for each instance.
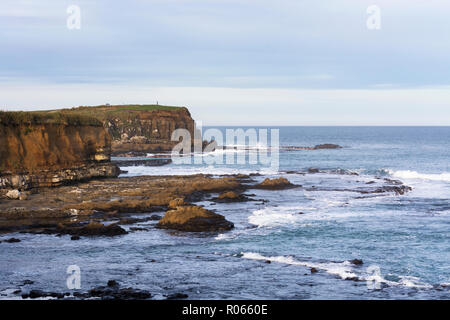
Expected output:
(403, 240)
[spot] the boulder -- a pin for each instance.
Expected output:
(275, 184)
(356, 262)
(194, 219)
(13, 194)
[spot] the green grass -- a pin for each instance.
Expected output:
(46, 117)
(104, 112)
(79, 116)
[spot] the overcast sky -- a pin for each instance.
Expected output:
(284, 62)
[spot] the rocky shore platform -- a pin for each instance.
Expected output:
(99, 207)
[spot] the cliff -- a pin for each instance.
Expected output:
(140, 129)
(40, 149)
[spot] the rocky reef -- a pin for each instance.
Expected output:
(46, 149)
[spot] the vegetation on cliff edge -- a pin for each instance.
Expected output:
(105, 112)
(46, 117)
(82, 115)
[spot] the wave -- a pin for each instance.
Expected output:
(190, 170)
(344, 270)
(409, 174)
(304, 216)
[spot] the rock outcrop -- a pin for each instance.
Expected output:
(194, 219)
(44, 149)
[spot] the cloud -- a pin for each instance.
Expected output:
(308, 51)
(245, 106)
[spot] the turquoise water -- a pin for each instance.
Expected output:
(404, 240)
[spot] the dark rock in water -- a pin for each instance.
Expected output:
(37, 294)
(231, 196)
(17, 291)
(92, 229)
(115, 293)
(111, 291)
(112, 283)
(313, 270)
(327, 146)
(138, 229)
(34, 294)
(393, 181)
(344, 172)
(175, 296)
(356, 262)
(352, 279)
(268, 261)
(313, 170)
(146, 162)
(26, 282)
(75, 238)
(370, 182)
(398, 190)
(194, 219)
(155, 217)
(299, 212)
(12, 240)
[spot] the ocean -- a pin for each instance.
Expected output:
(403, 240)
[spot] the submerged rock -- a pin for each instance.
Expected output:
(91, 229)
(194, 219)
(110, 292)
(176, 296)
(398, 189)
(327, 146)
(11, 240)
(356, 262)
(114, 292)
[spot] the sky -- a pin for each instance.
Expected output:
(233, 62)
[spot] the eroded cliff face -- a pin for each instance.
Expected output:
(51, 154)
(147, 131)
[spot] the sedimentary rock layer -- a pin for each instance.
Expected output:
(50, 149)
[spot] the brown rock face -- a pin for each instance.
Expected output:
(194, 219)
(145, 131)
(50, 153)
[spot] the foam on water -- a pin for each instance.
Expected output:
(344, 270)
(409, 174)
(173, 170)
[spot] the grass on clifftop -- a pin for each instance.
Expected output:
(46, 117)
(79, 116)
(104, 112)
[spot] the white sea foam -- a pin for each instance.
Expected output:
(318, 210)
(172, 170)
(409, 174)
(344, 270)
